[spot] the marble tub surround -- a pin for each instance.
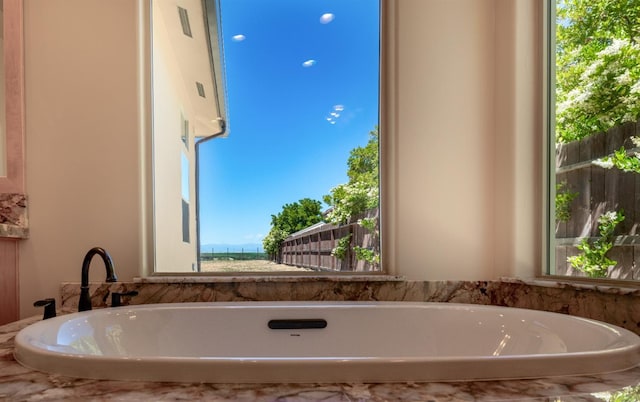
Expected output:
(609, 304)
(248, 289)
(18, 383)
(13, 216)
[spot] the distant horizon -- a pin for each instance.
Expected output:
(302, 92)
(223, 247)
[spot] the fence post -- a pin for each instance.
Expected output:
(319, 250)
(351, 256)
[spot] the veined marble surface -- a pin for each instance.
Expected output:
(13, 216)
(616, 306)
(271, 277)
(18, 383)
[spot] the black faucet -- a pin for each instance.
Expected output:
(116, 297)
(49, 305)
(85, 301)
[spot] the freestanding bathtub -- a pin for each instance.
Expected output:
(323, 342)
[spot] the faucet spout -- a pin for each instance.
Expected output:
(85, 300)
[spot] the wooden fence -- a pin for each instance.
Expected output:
(311, 247)
(599, 190)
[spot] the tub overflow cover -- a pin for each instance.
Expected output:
(298, 324)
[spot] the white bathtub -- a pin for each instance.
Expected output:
(361, 342)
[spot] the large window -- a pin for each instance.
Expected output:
(596, 169)
(282, 140)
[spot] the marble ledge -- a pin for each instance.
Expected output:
(271, 277)
(615, 288)
(13, 216)
(600, 287)
(18, 383)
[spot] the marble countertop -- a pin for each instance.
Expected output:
(13, 216)
(18, 383)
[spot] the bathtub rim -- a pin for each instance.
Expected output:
(332, 369)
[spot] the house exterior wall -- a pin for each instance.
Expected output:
(171, 107)
(178, 62)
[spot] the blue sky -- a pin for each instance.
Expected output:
(302, 91)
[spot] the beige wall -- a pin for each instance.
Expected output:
(82, 143)
(467, 139)
(463, 208)
(444, 139)
(3, 162)
(519, 138)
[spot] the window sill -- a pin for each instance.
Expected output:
(597, 285)
(270, 277)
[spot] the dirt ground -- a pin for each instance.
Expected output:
(247, 266)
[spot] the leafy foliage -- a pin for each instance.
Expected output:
(363, 161)
(593, 260)
(627, 394)
(369, 223)
(622, 159)
(367, 254)
(625, 162)
(350, 199)
(273, 240)
(564, 198)
(597, 66)
(298, 215)
(359, 195)
(362, 191)
(340, 250)
(293, 217)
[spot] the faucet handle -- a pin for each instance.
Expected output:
(49, 305)
(116, 297)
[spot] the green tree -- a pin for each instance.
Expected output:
(293, 217)
(298, 215)
(363, 162)
(272, 242)
(597, 66)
